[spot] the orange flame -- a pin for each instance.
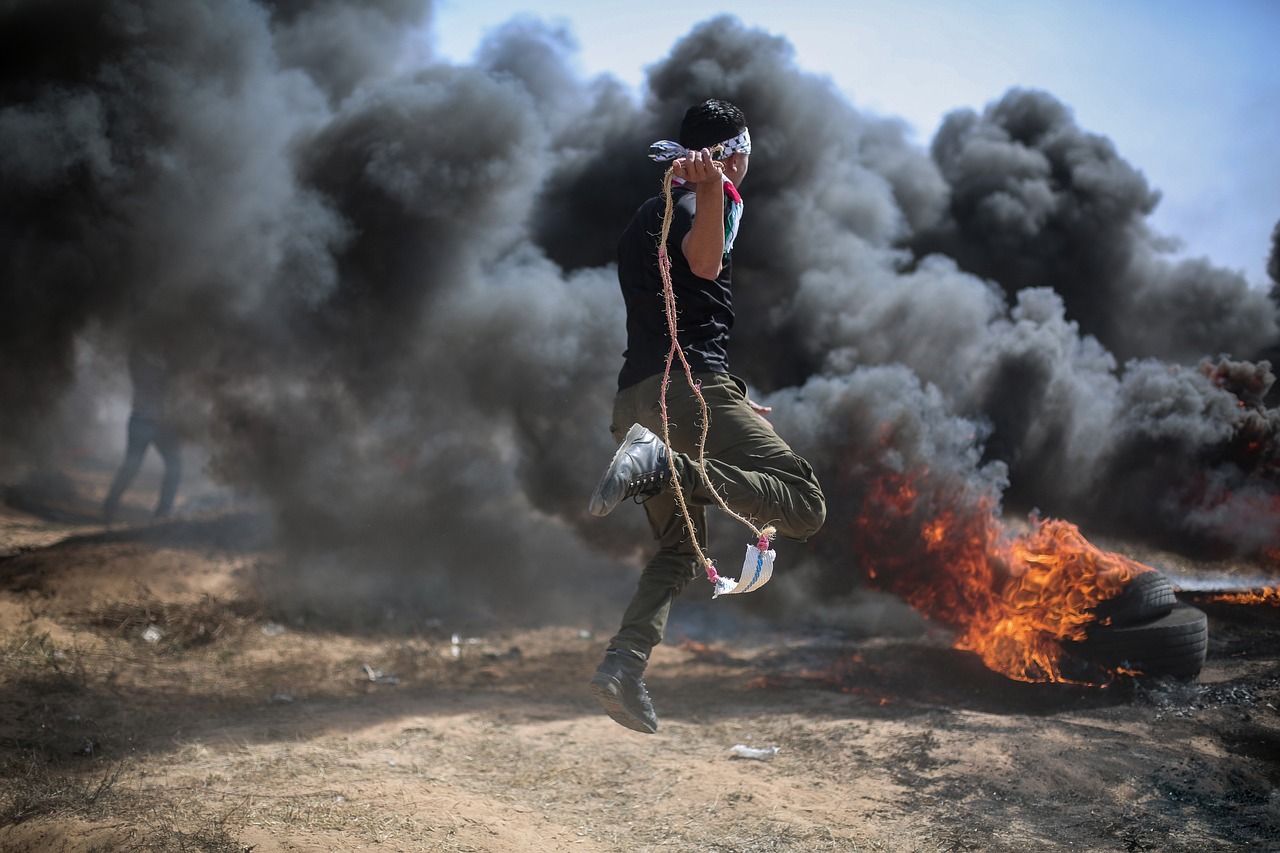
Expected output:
(1011, 600)
(1269, 595)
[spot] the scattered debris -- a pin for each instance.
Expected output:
(378, 677)
(457, 642)
(742, 751)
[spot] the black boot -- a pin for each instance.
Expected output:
(618, 686)
(640, 467)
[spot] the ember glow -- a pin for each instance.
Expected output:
(1267, 595)
(1010, 598)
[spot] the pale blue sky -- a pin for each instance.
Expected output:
(1188, 91)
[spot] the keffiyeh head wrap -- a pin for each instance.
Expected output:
(664, 150)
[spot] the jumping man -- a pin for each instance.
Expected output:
(750, 466)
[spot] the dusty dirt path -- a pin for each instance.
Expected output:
(223, 730)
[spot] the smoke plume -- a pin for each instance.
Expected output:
(386, 285)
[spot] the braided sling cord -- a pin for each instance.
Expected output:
(669, 301)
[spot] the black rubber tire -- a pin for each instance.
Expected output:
(1171, 645)
(1149, 595)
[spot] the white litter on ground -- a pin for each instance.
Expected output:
(742, 751)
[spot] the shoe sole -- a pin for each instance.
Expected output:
(608, 692)
(598, 506)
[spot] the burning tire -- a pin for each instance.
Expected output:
(1148, 596)
(1171, 645)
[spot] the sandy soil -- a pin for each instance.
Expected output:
(151, 702)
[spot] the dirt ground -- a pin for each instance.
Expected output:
(153, 701)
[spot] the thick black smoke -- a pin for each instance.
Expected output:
(344, 46)
(1038, 202)
(386, 285)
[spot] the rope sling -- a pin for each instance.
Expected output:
(759, 559)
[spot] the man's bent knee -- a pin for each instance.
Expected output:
(804, 517)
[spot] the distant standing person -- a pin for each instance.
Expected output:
(149, 423)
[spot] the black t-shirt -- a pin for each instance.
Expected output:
(704, 308)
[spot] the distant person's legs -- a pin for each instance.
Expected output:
(141, 432)
(170, 450)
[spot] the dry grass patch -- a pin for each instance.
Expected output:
(173, 626)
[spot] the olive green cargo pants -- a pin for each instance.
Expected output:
(753, 469)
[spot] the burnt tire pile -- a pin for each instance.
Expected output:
(1145, 629)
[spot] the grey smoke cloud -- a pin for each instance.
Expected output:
(342, 46)
(388, 288)
(1036, 201)
(1273, 263)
